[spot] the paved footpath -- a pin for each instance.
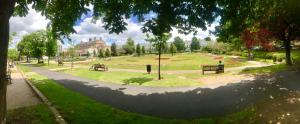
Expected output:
(174, 102)
(19, 93)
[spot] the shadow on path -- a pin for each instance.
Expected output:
(195, 103)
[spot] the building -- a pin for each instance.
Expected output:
(92, 46)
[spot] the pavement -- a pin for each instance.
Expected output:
(19, 93)
(175, 102)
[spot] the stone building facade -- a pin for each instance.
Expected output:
(91, 46)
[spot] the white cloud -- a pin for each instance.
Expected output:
(23, 25)
(87, 29)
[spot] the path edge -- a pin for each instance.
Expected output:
(54, 111)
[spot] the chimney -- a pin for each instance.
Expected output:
(95, 39)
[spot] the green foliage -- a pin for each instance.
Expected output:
(143, 50)
(13, 54)
(88, 54)
(24, 46)
(94, 52)
(217, 47)
(113, 48)
(138, 50)
(207, 39)
(267, 70)
(179, 43)
(33, 44)
(51, 45)
(107, 53)
(71, 51)
(129, 47)
(173, 49)
(101, 54)
(195, 45)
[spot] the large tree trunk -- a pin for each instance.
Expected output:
(6, 10)
(287, 46)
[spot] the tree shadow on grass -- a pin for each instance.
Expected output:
(138, 80)
(188, 104)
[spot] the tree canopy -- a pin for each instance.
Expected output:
(195, 45)
(279, 17)
(179, 43)
(129, 47)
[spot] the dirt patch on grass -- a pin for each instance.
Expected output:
(221, 80)
(162, 58)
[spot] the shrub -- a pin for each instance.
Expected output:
(274, 58)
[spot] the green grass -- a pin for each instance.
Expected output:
(78, 109)
(135, 78)
(39, 114)
(267, 70)
(279, 54)
(180, 61)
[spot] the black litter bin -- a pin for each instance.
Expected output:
(148, 68)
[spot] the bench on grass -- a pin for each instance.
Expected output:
(216, 68)
(97, 67)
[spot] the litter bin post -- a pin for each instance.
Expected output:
(148, 69)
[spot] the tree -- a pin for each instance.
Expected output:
(173, 49)
(51, 46)
(13, 54)
(113, 48)
(143, 50)
(101, 54)
(38, 44)
(129, 47)
(71, 51)
(107, 53)
(94, 53)
(280, 17)
(179, 43)
(24, 47)
(207, 39)
(158, 42)
(88, 54)
(185, 15)
(138, 50)
(195, 45)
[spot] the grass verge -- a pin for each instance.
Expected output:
(38, 114)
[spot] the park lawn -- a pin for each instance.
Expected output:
(134, 78)
(77, 109)
(38, 114)
(267, 69)
(180, 61)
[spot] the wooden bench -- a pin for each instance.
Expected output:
(217, 68)
(8, 76)
(97, 67)
(60, 63)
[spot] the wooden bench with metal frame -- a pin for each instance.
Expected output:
(97, 67)
(216, 68)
